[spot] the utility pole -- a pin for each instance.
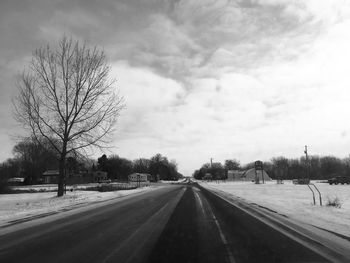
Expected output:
(211, 162)
(307, 163)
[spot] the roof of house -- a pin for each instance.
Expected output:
(51, 173)
(139, 174)
(16, 180)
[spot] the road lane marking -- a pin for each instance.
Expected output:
(222, 236)
(117, 249)
(142, 228)
(200, 202)
(224, 241)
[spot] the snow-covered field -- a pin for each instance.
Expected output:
(20, 206)
(53, 187)
(295, 201)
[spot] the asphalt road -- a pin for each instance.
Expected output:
(178, 223)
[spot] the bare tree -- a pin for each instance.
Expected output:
(67, 97)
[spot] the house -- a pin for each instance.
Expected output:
(249, 175)
(99, 176)
(15, 181)
(51, 176)
(139, 177)
(152, 178)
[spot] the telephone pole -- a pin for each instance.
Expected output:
(307, 163)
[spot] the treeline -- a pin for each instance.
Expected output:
(283, 168)
(217, 170)
(31, 159)
(119, 168)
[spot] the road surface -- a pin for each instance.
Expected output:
(176, 223)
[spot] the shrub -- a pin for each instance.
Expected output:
(335, 202)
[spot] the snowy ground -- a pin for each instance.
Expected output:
(53, 187)
(20, 206)
(174, 182)
(295, 201)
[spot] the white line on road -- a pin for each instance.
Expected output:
(224, 241)
(222, 236)
(133, 235)
(200, 202)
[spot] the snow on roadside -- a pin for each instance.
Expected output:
(173, 182)
(19, 206)
(296, 201)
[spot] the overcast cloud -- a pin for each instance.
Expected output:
(202, 78)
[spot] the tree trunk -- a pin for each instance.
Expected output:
(61, 176)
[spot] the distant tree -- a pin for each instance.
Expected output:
(160, 166)
(329, 166)
(296, 169)
(102, 163)
(232, 164)
(346, 166)
(199, 174)
(280, 168)
(119, 168)
(9, 168)
(217, 171)
(66, 97)
(142, 165)
(268, 167)
(315, 165)
(72, 165)
(34, 158)
(195, 175)
(157, 166)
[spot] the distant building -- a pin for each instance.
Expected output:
(99, 176)
(15, 181)
(51, 176)
(249, 175)
(235, 175)
(139, 177)
(152, 178)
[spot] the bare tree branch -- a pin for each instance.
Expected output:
(67, 98)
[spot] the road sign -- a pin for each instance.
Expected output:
(258, 165)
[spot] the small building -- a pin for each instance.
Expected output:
(235, 175)
(249, 175)
(15, 181)
(51, 176)
(139, 177)
(152, 178)
(99, 176)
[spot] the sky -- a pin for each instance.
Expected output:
(201, 79)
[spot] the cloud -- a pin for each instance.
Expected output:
(203, 78)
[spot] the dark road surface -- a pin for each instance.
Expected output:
(177, 223)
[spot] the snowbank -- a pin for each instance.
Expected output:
(295, 201)
(19, 206)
